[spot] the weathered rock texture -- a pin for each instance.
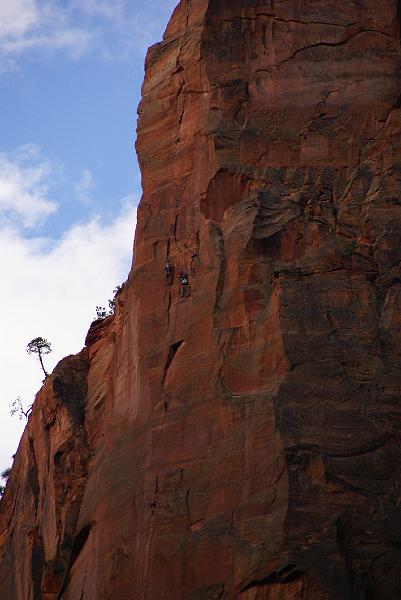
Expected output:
(243, 443)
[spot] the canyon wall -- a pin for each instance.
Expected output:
(243, 442)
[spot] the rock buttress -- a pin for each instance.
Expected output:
(40, 508)
(245, 440)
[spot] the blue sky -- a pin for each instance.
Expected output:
(70, 79)
(76, 100)
(82, 116)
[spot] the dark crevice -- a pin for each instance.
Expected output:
(399, 19)
(70, 387)
(320, 45)
(37, 564)
(187, 502)
(153, 504)
(83, 587)
(292, 451)
(174, 229)
(79, 543)
(71, 395)
(220, 283)
(282, 20)
(57, 458)
(221, 253)
(171, 354)
(33, 474)
(284, 575)
(258, 582)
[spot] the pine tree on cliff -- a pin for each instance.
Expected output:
(4, 475)
(39, 346)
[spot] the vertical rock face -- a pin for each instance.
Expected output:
(243, 442)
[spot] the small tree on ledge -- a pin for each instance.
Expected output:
(4, 475)
(101, 312)
(17, 408)
(39, 346)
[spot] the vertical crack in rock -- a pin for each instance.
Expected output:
(171, 355)
(399, 18)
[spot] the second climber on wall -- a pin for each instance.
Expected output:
(185, 288)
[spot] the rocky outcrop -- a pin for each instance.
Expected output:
(242, 442)
(40, 508)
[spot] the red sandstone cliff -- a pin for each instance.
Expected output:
(243, 443)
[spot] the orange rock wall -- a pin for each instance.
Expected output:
(242, 442)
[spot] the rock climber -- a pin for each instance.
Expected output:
(185, 289)
(169, 272)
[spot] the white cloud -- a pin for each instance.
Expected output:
(51, 288)
(27, 25)
(84, 187)
(25, 180)
(114, 29)
(74, 42)
(48, 287)
(17, 17)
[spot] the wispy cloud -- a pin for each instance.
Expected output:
(113, 28)
(73, 41)
(84, 187)
(25, 181)
(18, 17)
(40, 25)
(113, 10)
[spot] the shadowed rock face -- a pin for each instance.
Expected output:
(243, 442)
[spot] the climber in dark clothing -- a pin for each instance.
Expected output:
(169, 272)
(185, 289)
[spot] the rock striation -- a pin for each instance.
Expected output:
(242, 443)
